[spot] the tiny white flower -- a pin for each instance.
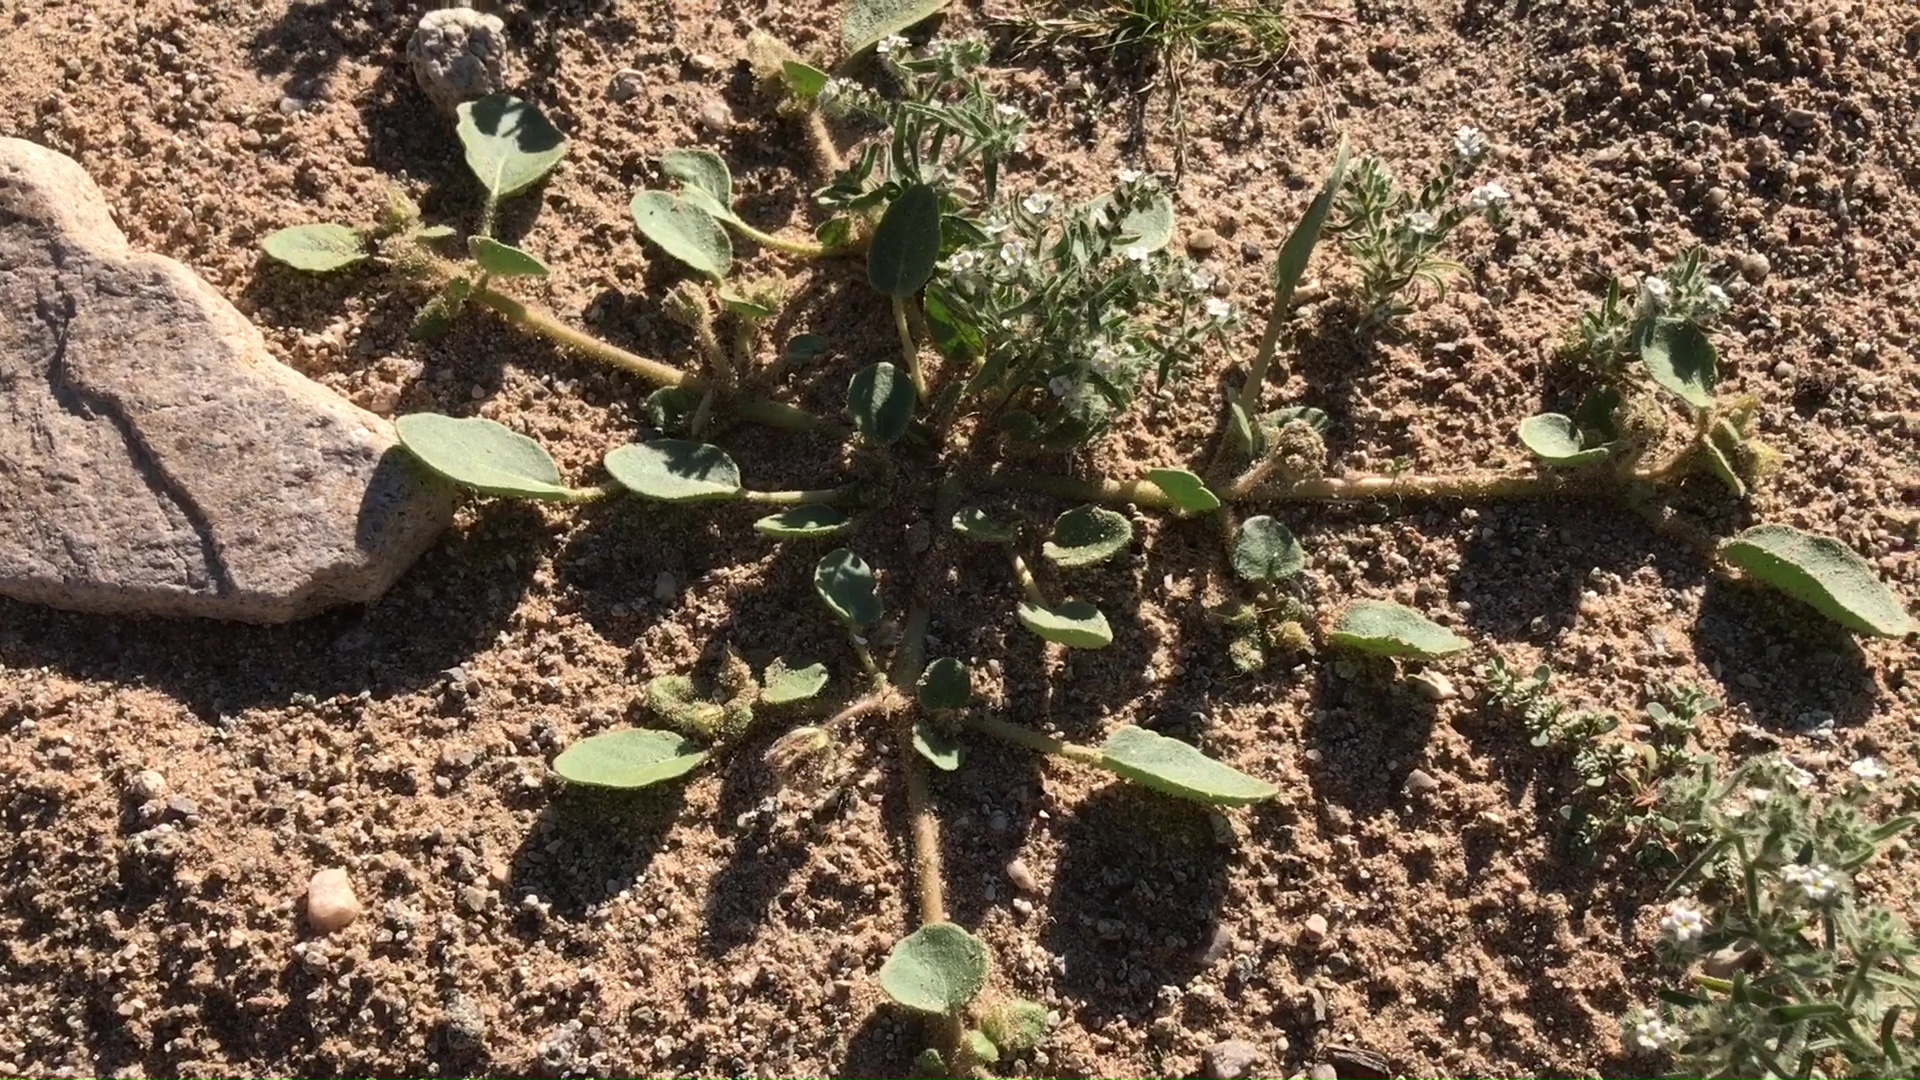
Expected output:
(1815, 884)
(1421, 223)
(1653, 1035)
(1800, 778)
(962, 261)
(1009, 112)
(1039, 204)
(1138, 253)
(888, 45)
(1490, 196)
(1718, 299)
(1129, 176)
(1200, 279)
(1013, 253)
(1218, 309)
(1020, 144)
(1469, 143)
(1867, 770)
(833, 88)
(1654, 293)
(1684, 923)
(1060, 385)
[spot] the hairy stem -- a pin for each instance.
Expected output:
(909, 349)
(1028, 586)
(1143, 493)
(591, 494)
(1250, 391)
(786, 247)
(812, 497)
(1034, 740)
(872, 703)
(926, 828)
(826, 156)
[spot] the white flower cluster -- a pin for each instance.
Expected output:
(1490, 198)
(1421, 223)
(1815, 884)
(1684, 923)
(890, 44)
(1469, 143)
(1868, 770)
(1653, 1035)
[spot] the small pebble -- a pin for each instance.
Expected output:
(715, 115)
(1202, 241)
(1022, 877)
(1322, 1071)
(1229, 1060)
(1314, 930)
(627, 84)
(664, 587)
(1755, 267)
(331, 905)
(146, 786)
(1419, 782)
(1434, 686)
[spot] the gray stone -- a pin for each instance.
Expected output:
(458, 55)
(1229, 1060)
(154, 458)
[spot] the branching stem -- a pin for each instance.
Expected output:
(1143, 493)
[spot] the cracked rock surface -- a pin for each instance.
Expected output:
(154, 458)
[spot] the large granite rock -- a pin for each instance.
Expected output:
(154, 458)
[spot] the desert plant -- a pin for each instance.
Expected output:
(1027, 323)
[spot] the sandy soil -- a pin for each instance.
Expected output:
(723, 929)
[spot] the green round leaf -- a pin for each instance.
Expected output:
(937, 746)
(1291, 265)
(946, 684)
(982, 1047)
(906, 244)
(509, 144)
(504, 260)
(1384, 628)
(974, 524)
(937, 969)
(1087, 535)
(1150, 226)
(845, 582)
(675, 471)
(806, 80)
(1176, 768)
(867, 21)
(1189, 494)
(784, 685)
(480, 454)
(703, 171)
(803, 522)
(1075, 624)
(684, 231)
(316, 249)
(1680, 357)
(1823, 573)
(635, 758)
(880, 397)
(1555, 439)
(1265, 550)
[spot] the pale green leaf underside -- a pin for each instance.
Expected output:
(635, 758)
(1824, 574)
(1176, 768)
(937, 969)
(1086, 536)
(803, 522)
(846, 583)
(784, 685)
(867, 21)
(1074, 623)
(480, 454)
(675, 471)
(937, 746)
(684, 231)
(503, 260)
(509, 144)
(701, 170)
(1681, 358)
(1555, 439)
(1384, 628)
(1189, 494)
(316, 249)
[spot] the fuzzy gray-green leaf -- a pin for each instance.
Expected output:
(703, 171)
(1265, 550)
(1176, 768)
(675, 471)
(937, 746)
(1189, 494)
(906, 243)
(784, 685)
(846, 583)
(880, 397)
(1295, 254)
(684, 231)
(975, 524)
(1680, 357)
(316, 249)
(1823, 573)
(480, 454)
(1384, 628)
(1555, 439)
(634, 758)
(503, 260)
(1086, 536)
(509, 144)
(937, 969)
(946, 684)
(803, 523)
(867, 21)
(1074, 623)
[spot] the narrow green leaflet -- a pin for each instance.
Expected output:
(784, 685)
(803, 523)
(684, 231)
(1384, 628)
(937, 969)
(433, 234)
(503, 260)
(946, 684)
(845, 582)
(906, 243)
(880, 397)
(1823, 573)
(635, 758)
(317, 249)
(1240, 427)
(867, 21)
(703, 171)
(975, 524)
(1075, 624)
(1719, 446)
(1176, 768)
(1680, 358)
(1555, 439)
(1086, 536)
(1189, 494)
(1265, 550)
(477, 453)
(982, 1047)
(937, 746)
(806, 80)
(1291, 265)
(509, 144)
(675, 471)
(745, 307)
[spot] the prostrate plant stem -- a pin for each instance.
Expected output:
(1034, 740)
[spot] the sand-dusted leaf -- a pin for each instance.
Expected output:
(937, 746)
(1823, 573)
(867, 21)
(675, 471)
(1384, 628)
(1681, 358)
(509, 144)
(1265, 550)
(480, 454)
(845, 582)
(975, 524)
(880, 397)
(1017, 1026)
(1074, 623)
(946, 684)
(1297, 252)
(1086, 536)
(503, 260)
(635, 758)
(805, 80)
(703, 171)
(937, 969)
(784, 683)
(1176, 768)
(317, 249)
(1556, 440)
(1188, 492)
(981, 1047)
(906, 243)
(745, 306)
(684, 231)
(803, 523)
(433, 234)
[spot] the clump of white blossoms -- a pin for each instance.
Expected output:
(1652, 1035)
(1868, 770)
(1469, 143)
(1684, 923)
(1815, 884)
(886, 46)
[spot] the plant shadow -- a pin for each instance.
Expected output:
(1790, 667)
(1371, 728)
(885, 1044)
(588, 845)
